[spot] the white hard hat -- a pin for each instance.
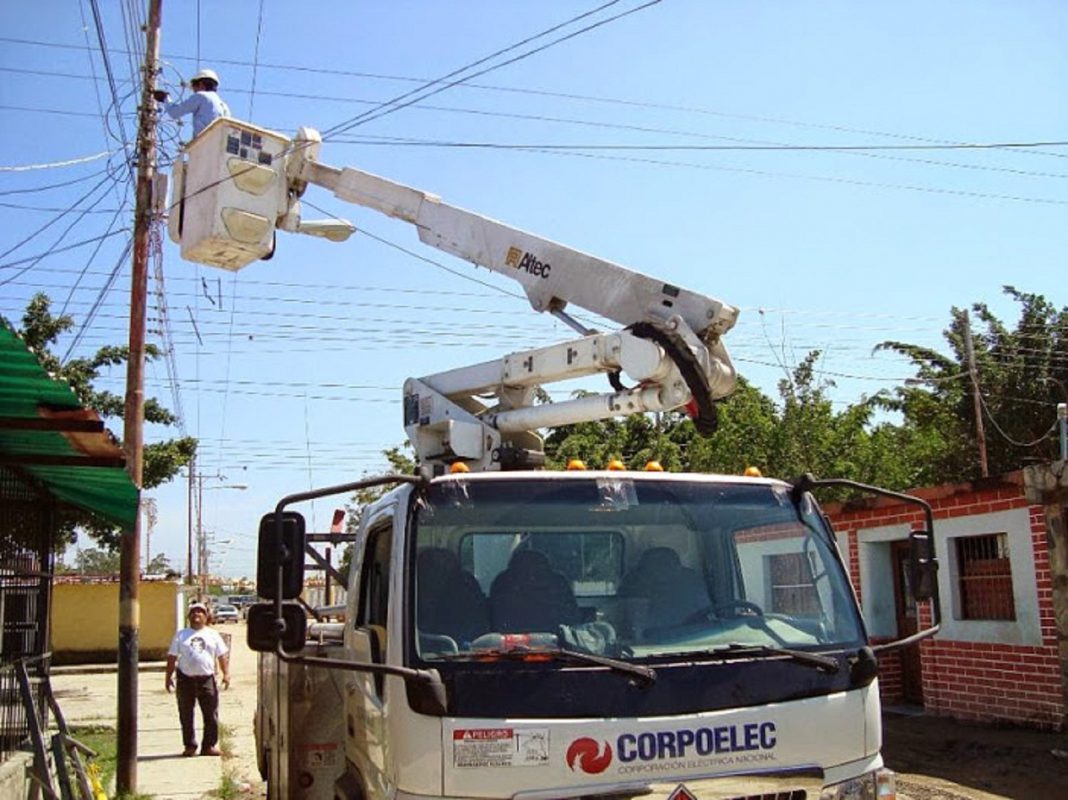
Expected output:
(205, 75)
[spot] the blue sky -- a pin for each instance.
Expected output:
(290, 371)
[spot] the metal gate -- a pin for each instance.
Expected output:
(27, 522)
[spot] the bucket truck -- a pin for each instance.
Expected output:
(512, 632)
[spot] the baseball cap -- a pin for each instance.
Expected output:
(197, 607)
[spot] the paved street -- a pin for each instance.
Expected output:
(90, 698)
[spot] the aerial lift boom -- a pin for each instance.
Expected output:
(670, 345)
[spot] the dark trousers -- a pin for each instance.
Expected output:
(191, 691)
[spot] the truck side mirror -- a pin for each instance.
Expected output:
(923, 566)
(285, 549)
(263, 630)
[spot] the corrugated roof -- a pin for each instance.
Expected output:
(48, 434)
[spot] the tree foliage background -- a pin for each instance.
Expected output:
(1021, 374)
(921, 433)
(41, 330)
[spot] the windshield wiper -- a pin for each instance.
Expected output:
(815, 660)
(647, 674)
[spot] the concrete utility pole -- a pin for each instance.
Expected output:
(133, 429)
(980, 429)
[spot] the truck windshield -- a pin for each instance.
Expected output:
(626, 568)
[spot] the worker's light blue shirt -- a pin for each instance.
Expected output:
(204, 106)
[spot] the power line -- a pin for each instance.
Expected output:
(104, 291)
(708, 147)
(819, 178)
(53, 209)
(57, 111)
(390, 104)
(53, 250)
(858, 150)
(255, 58)
(62, 185)
(364, 118)
(57, 164)
(1001, 431)
(95, 307)
(110, 75)
(58, 217)
(630, 103)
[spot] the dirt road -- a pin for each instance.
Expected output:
(940, 759)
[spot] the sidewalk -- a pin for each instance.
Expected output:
(88, 695)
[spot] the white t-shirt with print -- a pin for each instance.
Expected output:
(197, 650)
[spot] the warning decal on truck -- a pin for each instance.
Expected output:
(500, 747)
(318, 755)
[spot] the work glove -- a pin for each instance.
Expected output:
(161, 96)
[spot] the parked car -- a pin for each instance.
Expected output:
(226, 613)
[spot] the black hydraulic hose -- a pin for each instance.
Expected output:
(706, 420)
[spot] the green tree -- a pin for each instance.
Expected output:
(162, 460)
(745, 436)
(93, 561)
(400, 461)
(801, 433)
(1022, 373)
(160, 565)
(634, 440)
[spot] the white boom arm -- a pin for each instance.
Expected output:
(670, 346)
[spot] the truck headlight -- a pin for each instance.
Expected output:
(877, 785)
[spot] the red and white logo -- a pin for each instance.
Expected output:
(585, 754)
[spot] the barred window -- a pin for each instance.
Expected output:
(985, 577)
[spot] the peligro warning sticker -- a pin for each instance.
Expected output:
(500, 747)
(316, 755)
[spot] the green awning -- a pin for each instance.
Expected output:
(49, 435)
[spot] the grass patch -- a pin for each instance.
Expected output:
(229, 787)
(226, 740)
(104, 741)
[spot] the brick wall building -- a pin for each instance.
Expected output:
(997, 658)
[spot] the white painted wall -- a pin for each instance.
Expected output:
(876, 576)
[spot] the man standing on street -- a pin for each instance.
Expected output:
(193, 652)
(204, 103)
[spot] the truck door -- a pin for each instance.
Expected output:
(366, 701)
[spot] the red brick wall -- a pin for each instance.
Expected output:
(979, 681)
(989, 682)
(891, 688)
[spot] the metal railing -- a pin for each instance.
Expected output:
(15, 721)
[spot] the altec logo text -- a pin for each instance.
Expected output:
(527, 262)
(587, 754)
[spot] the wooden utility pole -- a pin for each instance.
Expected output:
(189, 520)
(980, 429)
(133, 429)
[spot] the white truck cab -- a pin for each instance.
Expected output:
(604, 634)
